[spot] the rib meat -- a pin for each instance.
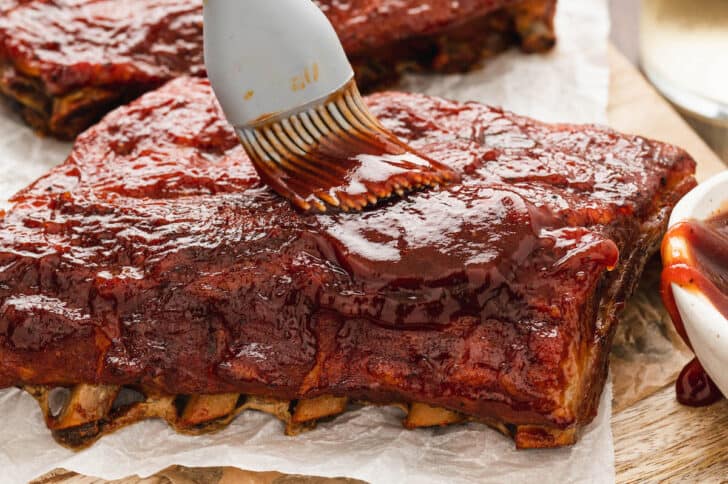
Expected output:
(153, 257)
(67, 62)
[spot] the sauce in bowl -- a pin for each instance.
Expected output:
(700, 264)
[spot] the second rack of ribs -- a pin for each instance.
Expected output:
(66, 63)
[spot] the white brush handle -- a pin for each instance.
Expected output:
(270, 57)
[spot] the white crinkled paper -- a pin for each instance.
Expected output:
(567, 85)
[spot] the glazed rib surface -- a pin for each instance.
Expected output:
(154, 258)
(67, 62)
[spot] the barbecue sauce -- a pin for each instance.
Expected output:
(695, 388)
(701, 266)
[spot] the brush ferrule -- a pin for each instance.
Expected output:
(324, 100)
(299, 131)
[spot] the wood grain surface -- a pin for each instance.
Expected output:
(657, 439)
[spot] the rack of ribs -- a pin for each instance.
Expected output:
(153, 275)
(65, 63)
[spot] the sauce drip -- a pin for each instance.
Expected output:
(695, 388)
(701, 266)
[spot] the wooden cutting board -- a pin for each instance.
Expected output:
(657, 439)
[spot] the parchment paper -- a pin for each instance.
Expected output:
(647, 353)
(570, 84)
(197, 475)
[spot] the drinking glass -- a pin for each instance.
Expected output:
(684, 52)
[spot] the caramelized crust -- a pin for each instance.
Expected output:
(67, 62)
(154, 258)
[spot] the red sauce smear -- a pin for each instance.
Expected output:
(703, 267)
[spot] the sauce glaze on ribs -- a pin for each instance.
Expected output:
(67, 62)
(153, 257)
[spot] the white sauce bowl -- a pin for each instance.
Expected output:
(706, 327)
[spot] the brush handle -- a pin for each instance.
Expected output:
(271, 57)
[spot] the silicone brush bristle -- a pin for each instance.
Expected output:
(337, 154)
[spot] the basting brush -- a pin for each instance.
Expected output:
(285, 84)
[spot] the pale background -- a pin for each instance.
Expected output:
(625, 16)
(625, 27)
